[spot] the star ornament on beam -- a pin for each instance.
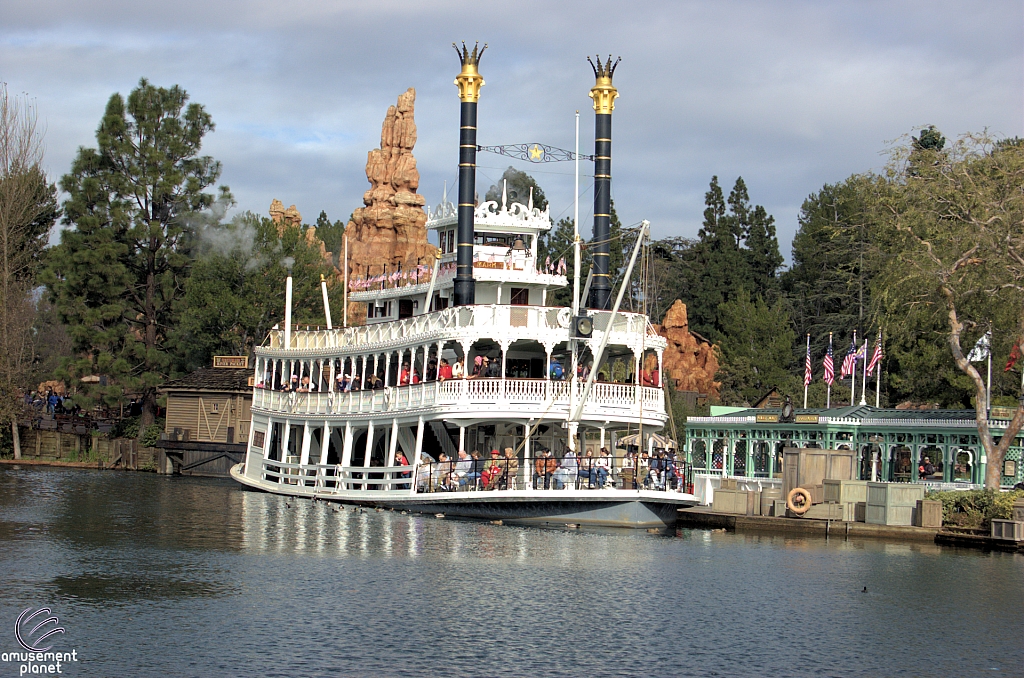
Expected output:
(536, 153)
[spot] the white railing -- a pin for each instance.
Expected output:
(507, 394)
(513, 321)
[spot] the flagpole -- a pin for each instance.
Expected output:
(828, 385)
(853, 376)
(878, 375)
(864, 389)
(808, 362)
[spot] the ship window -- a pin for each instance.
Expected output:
(451, 241)
(405, 308)
(520, 296)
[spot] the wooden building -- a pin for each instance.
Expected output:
(208, 418)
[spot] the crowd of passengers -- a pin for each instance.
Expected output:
(483, 368)
(469, 471)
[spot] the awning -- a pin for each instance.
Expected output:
(660, 442)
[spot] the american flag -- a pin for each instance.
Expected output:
(807, 367)
(876, 357)
(849, 362)
(830, 368)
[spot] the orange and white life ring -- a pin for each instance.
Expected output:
(804, 501)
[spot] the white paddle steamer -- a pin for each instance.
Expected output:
(378, 414)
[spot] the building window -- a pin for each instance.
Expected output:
(257, 439)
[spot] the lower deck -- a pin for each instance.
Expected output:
(573, 503)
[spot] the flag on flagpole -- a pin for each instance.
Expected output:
(849, 362)
(807, 365)
(876, 357)
(1014, 357)
(830, 368)
(981, 349)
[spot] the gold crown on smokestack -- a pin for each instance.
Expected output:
(603, 92)
(469, 80)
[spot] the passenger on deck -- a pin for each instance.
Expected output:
(566, 473)
(292, 385)
(543, 469)
(444, 372)
(643, 469)
(493, 367)
(491, 476)
(403, 375)
(478, 367)
(603, 466)
(587, 470)
(458, 369)
(463, 467)
(657, 475)
(476, 470)
(557, 373)
(508, 480)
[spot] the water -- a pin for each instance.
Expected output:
(157, 576)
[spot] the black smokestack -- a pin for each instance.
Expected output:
(469, 83)
(603, 93)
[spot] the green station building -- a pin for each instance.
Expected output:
(891, 445)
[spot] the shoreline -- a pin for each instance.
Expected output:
(54, 462)
(704, 518)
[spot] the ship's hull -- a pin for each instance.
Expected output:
(605, 507)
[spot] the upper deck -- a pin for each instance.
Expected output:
(543, 324)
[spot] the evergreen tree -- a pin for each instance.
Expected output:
(118, 274)
(717, 267)
(834, 261)
(757, 350)
(235, 294)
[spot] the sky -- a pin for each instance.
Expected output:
(788, 95)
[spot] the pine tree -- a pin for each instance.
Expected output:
(517, 185)
(118, 274)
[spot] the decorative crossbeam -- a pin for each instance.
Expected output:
(534, 152)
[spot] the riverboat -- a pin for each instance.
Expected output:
(470, 358)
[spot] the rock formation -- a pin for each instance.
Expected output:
(284, 217)
(390, 230)
(690, 360)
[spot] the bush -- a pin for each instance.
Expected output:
(975, 508)
(129, 428)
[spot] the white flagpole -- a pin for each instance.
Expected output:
(864, 385)
(878, 374)
(828, 386)
(853, 377)
(805, 367)
(345, 286)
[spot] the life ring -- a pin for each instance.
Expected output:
(804, 505)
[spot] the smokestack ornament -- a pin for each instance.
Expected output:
(604, 94)
(469, 83)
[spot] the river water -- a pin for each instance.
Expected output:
(159, 576)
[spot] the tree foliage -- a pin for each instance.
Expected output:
(954, 242)
(757, 349)
(120, 270)
(235, 294)
(28, 210)
(737, 249)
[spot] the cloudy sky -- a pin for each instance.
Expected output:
(790, 95)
